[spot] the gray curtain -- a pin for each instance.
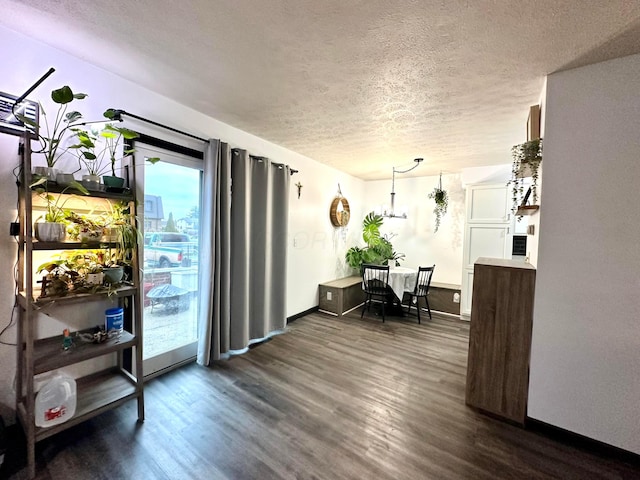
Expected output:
(215, 253)
(243, 280)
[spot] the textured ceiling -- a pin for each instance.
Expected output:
(359, 85)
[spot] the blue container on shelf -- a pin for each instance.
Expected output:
(114, 320)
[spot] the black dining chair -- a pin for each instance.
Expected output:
(421, 290)
(375, 283)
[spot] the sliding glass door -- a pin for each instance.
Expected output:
(170, 221)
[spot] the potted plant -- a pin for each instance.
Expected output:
(378, 250)
(86, 156)
(526, 163)
(85, 228)
(86, 264)
(53, 228)
(51, 142)
(122, 241)
(439, 195)
(113, 135)
(99, 152)
(59, 278)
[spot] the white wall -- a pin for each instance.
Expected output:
(585, 359)
(415, 236)
(319, 247)
(533, 240)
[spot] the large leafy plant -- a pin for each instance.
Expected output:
(51, 140)
(98, 150)
(378, 250)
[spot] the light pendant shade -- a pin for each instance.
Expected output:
(390, 212)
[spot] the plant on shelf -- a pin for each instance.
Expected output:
(526, 162)
(127, 234)
(52, 229)
(439, 195)
(85, 228)
(87, 264)
(59, 278)
(98, 150)
(51, 142)
(73, 271)
(379, 249)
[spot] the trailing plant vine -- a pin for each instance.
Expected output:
(526, 154)
(442, 202)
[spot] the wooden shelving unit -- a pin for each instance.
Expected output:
(97, 392)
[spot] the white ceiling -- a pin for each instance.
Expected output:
(361, 85)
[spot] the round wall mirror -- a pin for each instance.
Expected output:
(339, 213)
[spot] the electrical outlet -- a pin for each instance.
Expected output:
(456, 297)
(329, 295)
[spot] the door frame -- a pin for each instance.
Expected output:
(190, 158)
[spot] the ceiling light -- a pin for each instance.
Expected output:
(391, 213)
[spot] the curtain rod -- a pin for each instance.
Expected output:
(118, 113)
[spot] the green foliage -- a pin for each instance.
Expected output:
(442, 203)
(171, 224)
(50, 142)
(127, 234)
(55, 212)
(379, 249)
(194, 212)
(98, 150)
(526, 154)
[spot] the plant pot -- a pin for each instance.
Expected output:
(95, 278)
(113, 274)
(89, 234)
(110, 181)
(48, 172)
(64, 179)
(50, 232)
(91, 182)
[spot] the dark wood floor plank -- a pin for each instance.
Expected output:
(333, 398)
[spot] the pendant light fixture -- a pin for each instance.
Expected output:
(391, 213)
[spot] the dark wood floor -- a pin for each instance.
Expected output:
(331, 399)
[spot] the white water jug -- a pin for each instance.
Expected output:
(56, 401)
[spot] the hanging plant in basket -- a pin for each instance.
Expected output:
(442, 202)
(526, 162)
